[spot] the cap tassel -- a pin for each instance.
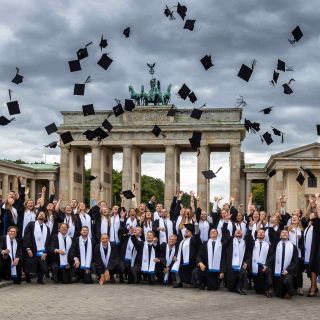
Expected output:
(88, 79)
(9, 94)
(198, 152)
(88, 44)
(204, 105)
(218, 170)
(290, 68)
(254, 62)
(169, 13)
(291, 80)
(282, 138)
(292, 42)
(261, 139)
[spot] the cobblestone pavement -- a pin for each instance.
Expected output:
(79, 301)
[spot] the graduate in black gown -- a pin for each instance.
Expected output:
(285, 267)
(11, 256)
(59, 247)
(36, 247)
(101, 224)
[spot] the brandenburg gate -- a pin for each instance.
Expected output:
(132, 135)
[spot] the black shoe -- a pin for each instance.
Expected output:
(40, 281)
(241, 292)
(28, 279)
(177, 285)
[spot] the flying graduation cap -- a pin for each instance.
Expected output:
(309, 172)
(297, 35)
(209, 174)
(181, 10)
(275, 78)
(90, 135)
(300, 178)
(195, 140)
(192, 97)
(126, 32)
(278, 133)
(318, 129)
(100, 133)
(4, 121)
(105, 61)
(207, 62)
(17, 78)
(107, 125)
(272, 173)
(286, 88)
(189, 24)
(128, 194)
(13, 106)
(281, 66)
(245, 72)
(118, 109)
(172, 111)
(266, 110)
(169, 13)
(88, 110)
(129, 105)
(74, 65)
(103, 43)
(267, 138)
(83, 52)
(80, 87)
(197, 112)
(51, 128)
(156, 130)
(184, 92)
(91, 178)
(52, 145)
(66, 137)
(253, 127)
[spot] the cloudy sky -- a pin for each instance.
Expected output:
(41, 36)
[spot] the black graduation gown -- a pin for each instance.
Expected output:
(74, 251)
(5, 263)
(113, 260)
(60, 218)
(6, 220)
(96, 229)
(314, 262)
(274, 236)
(31, 264)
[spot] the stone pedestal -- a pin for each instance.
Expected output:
(203, 184)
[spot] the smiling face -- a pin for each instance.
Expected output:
(104, 239)
(63, 229)
(284, 235)
(84, 232)
(260, 234)
(213, 234)
(12, 232)
(203, 215)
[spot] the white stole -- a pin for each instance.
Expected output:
(50, 223)
(131, 223)
(134, 254)
(308, 235)
(114, 228)
(293, 238)
(162, 234)
(12, 254)
(40, 238)
(104, 225)
(27, 217)
(239, 247)
(148, 266)
(178, 223)
(129, 250)
(287, 257)
(243, 227)
(169, 258)
(259, 257)
(105, 259)
(72, 227)
(220, 225)
(147, 228)
(185, 248)
(156, 216)
(64, 257)
(85, 259)
(214, 259)
(85, 221)
(204, 227)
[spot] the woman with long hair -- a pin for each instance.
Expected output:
(146, 223)
(101, 224)
(68, 217)
(84, 218)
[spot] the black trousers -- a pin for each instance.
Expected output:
(299, 277)
(60, 275)
(262, 281)
(81, 274)
(205, 278)
(236, 280)
(135, 275)
(283, 285)
(5, 270)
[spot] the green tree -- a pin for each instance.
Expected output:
(151, 186)
(258, 195)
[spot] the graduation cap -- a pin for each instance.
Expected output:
(195, 140)
(286, 88)
(278, 133)
(83, 52)
(17, 78)
(169, 13)
(126, 32)
(207, 62)
(100, 133)
(245, 72)
(240, 102)
(184, 92)
(157, 131)
(51, 128)
(192, 97)
(272, 173)
(4, 121)
(129, 105)
(318, 129)
(105, 61)
(74, 65)
(88, 110)
(300, 178)
(118, 109)
(79, 87)
(103, 43)
(128, 194)
(197, 112)
(275, 78)
(189, 25)
(281, 65)
(297, 35)
(209, 174)
(266, 110)
(66, 137)
(267, 138)
(90, 135)
(254, 127)
(91, 178)
(52, 145)
(107, 125)
(172, 111)
(309, 173)
(181, 9)
(13, 107)
(189, 227)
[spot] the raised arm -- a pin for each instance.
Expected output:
(192, 202)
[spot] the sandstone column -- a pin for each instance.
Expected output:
(248, 191)
(136, 172)
(33, 189)
(106, 175)
(95, 171)
(235, 168)
(5, 187)
(64, 181)
(203, 185)
(15, 184)
(127, 173)
(170, 175)
(51, 187)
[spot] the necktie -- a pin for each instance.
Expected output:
(105, 249)
(213, 245)
(260, 248)
(12, 249)
(85, 246)
(170, 252)
(65, 243)
(150, 249)
(182, 252)
(165, 226)
(41, 227)
(283, 254)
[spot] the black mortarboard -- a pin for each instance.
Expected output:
(103, 43)
(91, 178)
(181, 9)
(100, 133)
(169, 13)
(318, 129)
(17, 78)
(247, 124)
(278, 133)
(80, 87)
(88, 110)
(126, 32)
(245, 72)
(300, 178)
(171, 112)
(196, 113)
(286, 88)
(90, 135)
(267, 138)
(297, 35)
(52, 145)
(281, 65)
(209, 174)
(251, 126)
(118, 109)
(51, 128)
(195, 140)
(266, 110)
(4, 121)
(207, 62)
(13, 107)
(272, 173)
(66, 137)
(184, 92)
(74, 65)
(128, 194)
(190, 227)
(129, 105)
(107, 125)
(156, 130)
(192, 97)
(309, 172)
(189, 25)
(83, 52)
(255, 126)
(105, 61)
(275, 77)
